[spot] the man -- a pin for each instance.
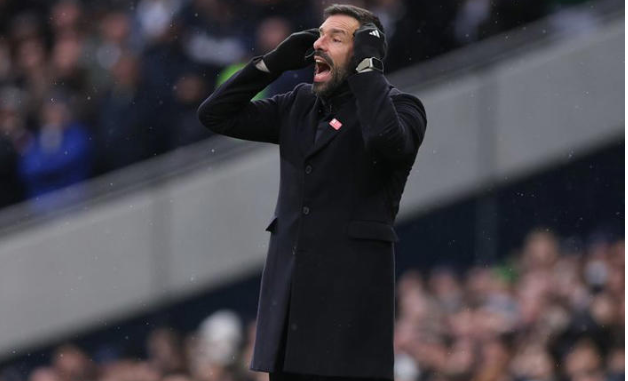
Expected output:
(347, 144)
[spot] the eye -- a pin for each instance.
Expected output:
(336, 40)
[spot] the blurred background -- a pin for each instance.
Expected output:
(132, 240)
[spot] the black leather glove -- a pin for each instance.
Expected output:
(368, 42)
(293, 53)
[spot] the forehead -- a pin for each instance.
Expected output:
(340, 22)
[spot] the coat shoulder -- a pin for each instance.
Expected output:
(300, 96)
(399, 96)
(303, 93)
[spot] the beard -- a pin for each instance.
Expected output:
(338, 75)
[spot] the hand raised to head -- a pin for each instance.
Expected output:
(293, 53)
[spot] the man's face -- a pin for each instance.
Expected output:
(333, 51)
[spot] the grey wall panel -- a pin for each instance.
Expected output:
(75, 272)
(502, 121)
(559, 99)
(448, 162)
(218, 219)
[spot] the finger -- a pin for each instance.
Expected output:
(311, 34)
(313, 31)
(367, 26)
(309, 55)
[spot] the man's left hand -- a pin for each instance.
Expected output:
(368, 42)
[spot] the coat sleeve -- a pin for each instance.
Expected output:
(229, 110)
(392, 124)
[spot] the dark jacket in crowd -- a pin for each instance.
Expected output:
(12, 188)
(327, 296)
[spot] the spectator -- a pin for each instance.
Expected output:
(69, 74)
(121, 130)
(6, 65)
(13, 137)
(533, 362)
(189, 92)
(583, 362)
(301, 13)
(616, 363)
(113, 38)
(161, 65)
(216, 356)
(165, 353)
(44, 374)
(70, 363)
(66, 17)
(59, 153)
(177, 377)
(33, 73)
(213, 39)
(155, 16)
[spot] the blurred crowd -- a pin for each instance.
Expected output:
(87, 87)
(554, 311)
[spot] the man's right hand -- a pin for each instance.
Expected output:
(292, 53)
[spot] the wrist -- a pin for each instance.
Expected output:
(370, 64)
(261, 66)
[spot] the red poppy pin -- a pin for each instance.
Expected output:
(335, 123)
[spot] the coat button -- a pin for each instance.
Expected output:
(308, 169)
(306, 210)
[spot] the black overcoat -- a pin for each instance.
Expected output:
(329, 273)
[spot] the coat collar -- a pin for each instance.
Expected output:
(339, 97)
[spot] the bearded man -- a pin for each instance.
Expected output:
(347, 144)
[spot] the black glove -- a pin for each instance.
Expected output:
(295, 52)
(368, 42)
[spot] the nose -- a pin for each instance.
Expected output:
(319, 43)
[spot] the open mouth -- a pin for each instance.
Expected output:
(322, 70)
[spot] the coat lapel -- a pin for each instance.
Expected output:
(306, 135)
(330, 133)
